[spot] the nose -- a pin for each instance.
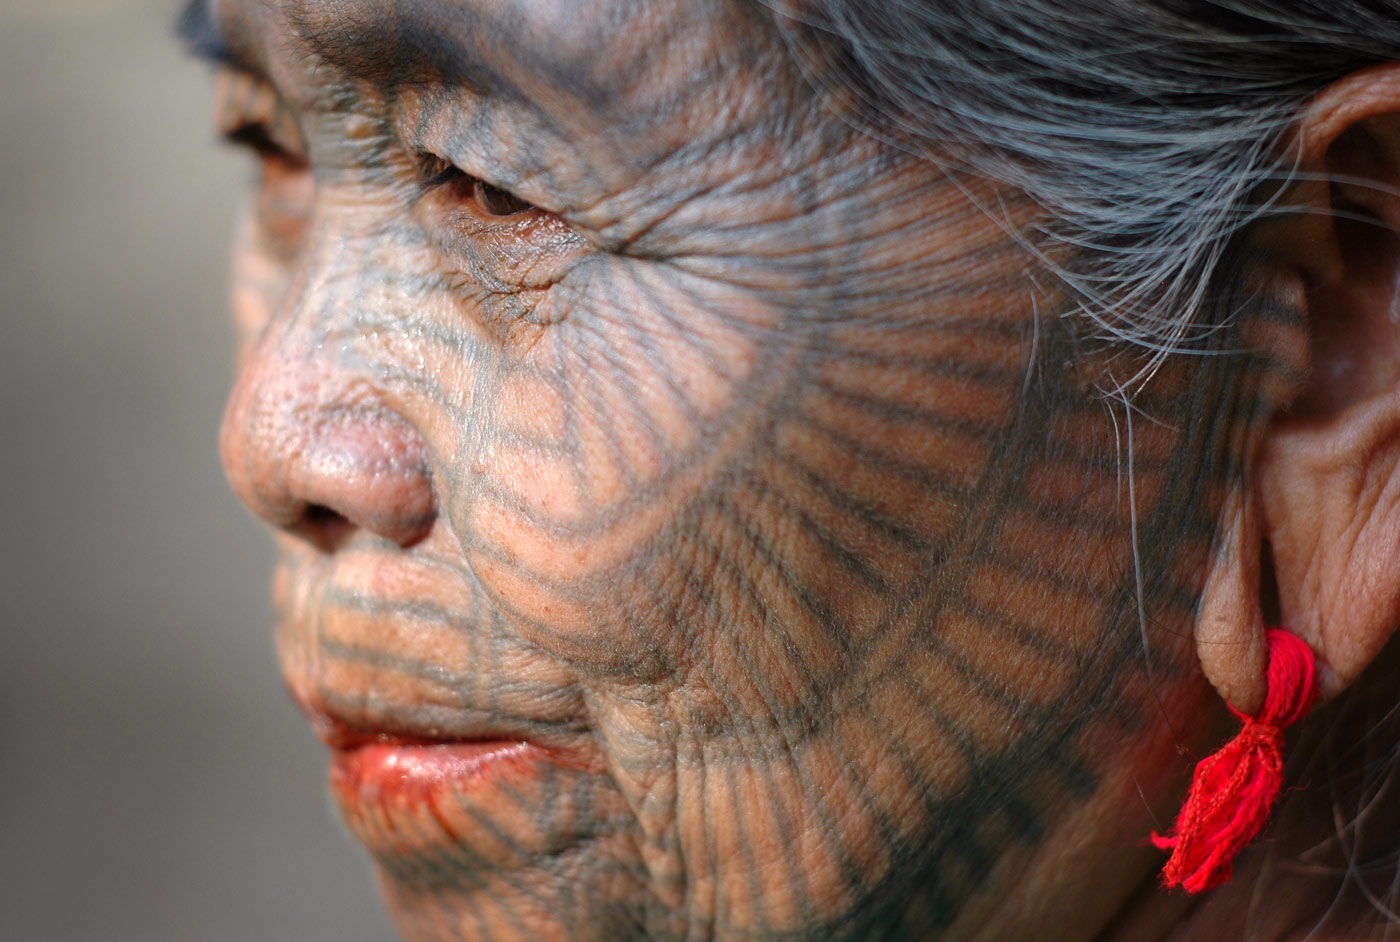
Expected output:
(319, 453)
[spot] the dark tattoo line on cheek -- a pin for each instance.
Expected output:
(713, 607)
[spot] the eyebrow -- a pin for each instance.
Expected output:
(202, 36)
(391, 45)
(408, 42)
(398, 42)
(377, 44)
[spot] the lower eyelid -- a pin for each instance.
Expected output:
(523, 251)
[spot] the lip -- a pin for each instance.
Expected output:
(380, 765)
(406, 785)
(379, 773)
(349, 726)
(403, 793)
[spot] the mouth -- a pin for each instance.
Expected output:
(374, 768)
(409, 778)
(406, 795)
(434, 755)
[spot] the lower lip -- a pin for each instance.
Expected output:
(380, 772)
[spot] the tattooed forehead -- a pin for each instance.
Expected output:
(599, 50)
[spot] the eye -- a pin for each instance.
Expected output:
(257, 138)
(489, 200)
(498, 202)
(249, 113)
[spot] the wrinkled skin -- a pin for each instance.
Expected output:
(746, 469)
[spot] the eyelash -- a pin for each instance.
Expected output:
(437, 173)
(258, 139)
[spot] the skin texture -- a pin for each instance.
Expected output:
(748, 469)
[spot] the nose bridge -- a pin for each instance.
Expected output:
(309, 441)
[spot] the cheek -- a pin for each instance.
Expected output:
(591, 457)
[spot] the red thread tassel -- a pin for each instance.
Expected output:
(1234, 790)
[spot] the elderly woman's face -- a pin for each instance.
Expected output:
(678, 538)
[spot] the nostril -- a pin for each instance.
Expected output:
(324, 527)
(324, 461)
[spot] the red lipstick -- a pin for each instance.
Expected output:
(385, 770)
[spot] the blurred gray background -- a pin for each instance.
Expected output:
(155, 783)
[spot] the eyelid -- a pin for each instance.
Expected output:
(259, 138)
(250, 112)
(435, 171)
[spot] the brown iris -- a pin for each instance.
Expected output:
(496, 201)
(492, 200)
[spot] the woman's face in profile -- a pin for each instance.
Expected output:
(677, 539)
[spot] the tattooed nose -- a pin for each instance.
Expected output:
(323, 460)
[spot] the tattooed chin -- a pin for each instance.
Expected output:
(673, 544)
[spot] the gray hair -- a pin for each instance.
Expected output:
(1152, 131)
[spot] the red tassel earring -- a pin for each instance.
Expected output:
(1234, 790)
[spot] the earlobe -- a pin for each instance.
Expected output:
(1229, 624)
(1239, 588)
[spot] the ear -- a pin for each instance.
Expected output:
(1323, 490)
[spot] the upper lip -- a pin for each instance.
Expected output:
(343, 737)
(350, 722)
